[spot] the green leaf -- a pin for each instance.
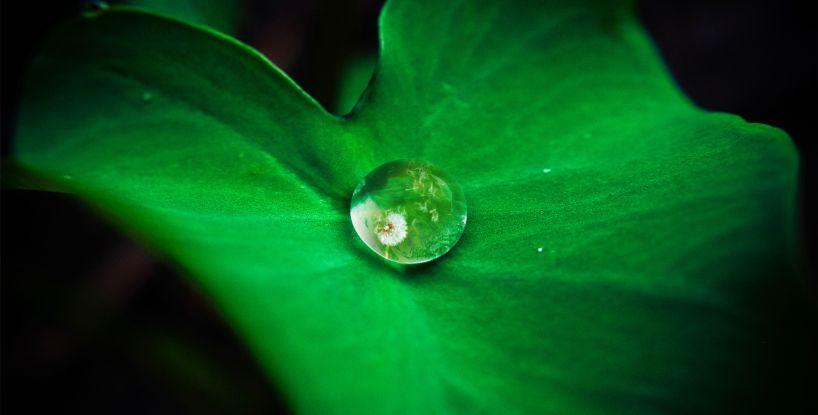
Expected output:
(355, 76)
(665, 279)
(221, 15)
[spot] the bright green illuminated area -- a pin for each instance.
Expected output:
(408, 211)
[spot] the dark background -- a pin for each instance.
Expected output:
(93, 322)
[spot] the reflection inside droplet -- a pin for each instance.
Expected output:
(408, 211)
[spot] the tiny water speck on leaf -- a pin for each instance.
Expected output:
(408, 211)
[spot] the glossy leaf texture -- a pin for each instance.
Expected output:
(625, 252)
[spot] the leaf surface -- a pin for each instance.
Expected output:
(625, 252)
(221, 15)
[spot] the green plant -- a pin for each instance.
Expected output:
(625, 251)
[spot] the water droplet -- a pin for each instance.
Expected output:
(587, 135)
(408, 211)
(67, 177)
(147, 96)
(546, 171)
(540, 249)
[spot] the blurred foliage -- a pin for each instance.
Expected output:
(221, 15)
(355, 76)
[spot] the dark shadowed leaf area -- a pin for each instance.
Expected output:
(625, 252)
